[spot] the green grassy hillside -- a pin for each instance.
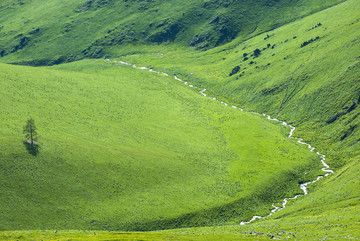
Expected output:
(306, 219)
(41, 33)
(330, 211)
(128, 149)
(309, 76)
(314, 87)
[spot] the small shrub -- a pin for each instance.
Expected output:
(317, 25)
(235, 70)
(257, 52)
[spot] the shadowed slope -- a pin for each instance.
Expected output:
(45, 33)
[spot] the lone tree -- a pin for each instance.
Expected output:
(30, 131)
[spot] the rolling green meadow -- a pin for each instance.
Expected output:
(124, 149)
(126, 153)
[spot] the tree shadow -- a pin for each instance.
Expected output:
(33, 149)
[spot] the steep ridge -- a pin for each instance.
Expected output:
(46, 33)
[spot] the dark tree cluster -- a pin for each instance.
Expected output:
(309, 42)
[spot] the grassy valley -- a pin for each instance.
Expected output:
(127, 149)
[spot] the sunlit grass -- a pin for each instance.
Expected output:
(128, 149)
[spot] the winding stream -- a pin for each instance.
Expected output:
(303, 187)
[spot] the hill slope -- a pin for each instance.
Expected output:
(117, 134)
(309, 76)
(41, 33)
(306, 73)
(127, 149)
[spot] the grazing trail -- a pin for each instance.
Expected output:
(276, 206)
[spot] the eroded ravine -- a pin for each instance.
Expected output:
(276, 206)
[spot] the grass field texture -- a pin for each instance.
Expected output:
(127, 149)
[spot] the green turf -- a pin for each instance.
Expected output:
(128, 149)
(326, 213)
(103, 235)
